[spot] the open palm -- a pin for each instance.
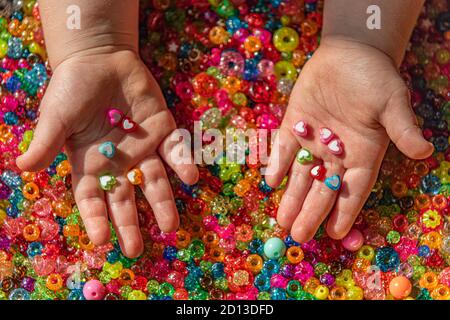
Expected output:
(356, 91)
(73, 114)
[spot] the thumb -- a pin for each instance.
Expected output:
(48, 140)
(401, 125)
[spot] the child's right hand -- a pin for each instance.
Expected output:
(355, 90)
(73, 114)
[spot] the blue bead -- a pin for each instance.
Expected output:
(170, 253)
(35, 249)
(430, 184)
(278, 294)
(13, 84)
(387, 259)
(217, 270)
(289, 241)
(262, 282)
(424, 251)
(19, 294)
(76, 294)
(112, 256)
(12, 212)
(270, 267)
(10, 118)
(15, 47)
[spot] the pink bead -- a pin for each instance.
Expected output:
(336, 147)
(325, 135)
(301, 129)
(115, 116)
(94, 290)
(353, 240)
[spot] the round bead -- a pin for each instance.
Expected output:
(400, 287)
(353, 240)
(274, 248)
(94, 290)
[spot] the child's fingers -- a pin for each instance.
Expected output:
(401, 126)
(296, 190)
(90, 200)
(48, 140)
(282, 154)
(123, 214)
(356, 186)
(157, 190)
(317, 205)
(178, 156)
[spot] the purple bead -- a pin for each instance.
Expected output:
(288, 271)
(327, 279)
(28, 284)
(4, 242)
(5, 191)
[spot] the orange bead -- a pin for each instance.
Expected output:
(126, 277)
(62, 208)
(71, 230)
(85, 243)
(31, 233)
(294, 254)
(429, 280)
(400, 287)
(441, 292)
(338, 293)
(183, 239)
(254, 263)
(135, 176)
(63, 168)
(30, 191)
(54, 282)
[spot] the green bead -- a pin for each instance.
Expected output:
(125, 291)
(285, 69)
(393, 237)
(320, 268)
(221, 283)
(304, 156)
(263, 295)
(152, 286)
(226, 9)
(274, 248)
(294, 289)
(286, 39)
(136, 295)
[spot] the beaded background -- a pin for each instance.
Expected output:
(227, 216)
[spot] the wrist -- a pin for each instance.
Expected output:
(103, 27)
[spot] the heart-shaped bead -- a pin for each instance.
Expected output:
(333, 182)
(108, 149)
(135, 176)
(128, 125)
(336, 147)
(114, 116)
(301, 128)
(304, 156)
(325, 135)
(107, 182)
(318, 172)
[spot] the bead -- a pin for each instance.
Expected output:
(128, 125)
(108, 149)
(400, 287)
(274, 248)
(301, 129)
(115, 116)
(353, 240)
(107, 182)
(304, 156)
(285, 39)
(333, 182)
(325, 135)
(318, 172)
(94, 290)
(336, 147)
(135, 176)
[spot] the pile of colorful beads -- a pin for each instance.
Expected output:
(228, 64)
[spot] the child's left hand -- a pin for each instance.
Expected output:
(355, 90)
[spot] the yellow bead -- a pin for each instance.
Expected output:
(285, 39)
(3, 48)
(321, 292)
(355, 293)
(285, 69)
(137, 295)
(366, 252)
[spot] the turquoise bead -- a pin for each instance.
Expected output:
(274, 248)
(108, 149)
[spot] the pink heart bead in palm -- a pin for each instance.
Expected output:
(301, 128)
(325, 135)
(336, 147)
(115, 116)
